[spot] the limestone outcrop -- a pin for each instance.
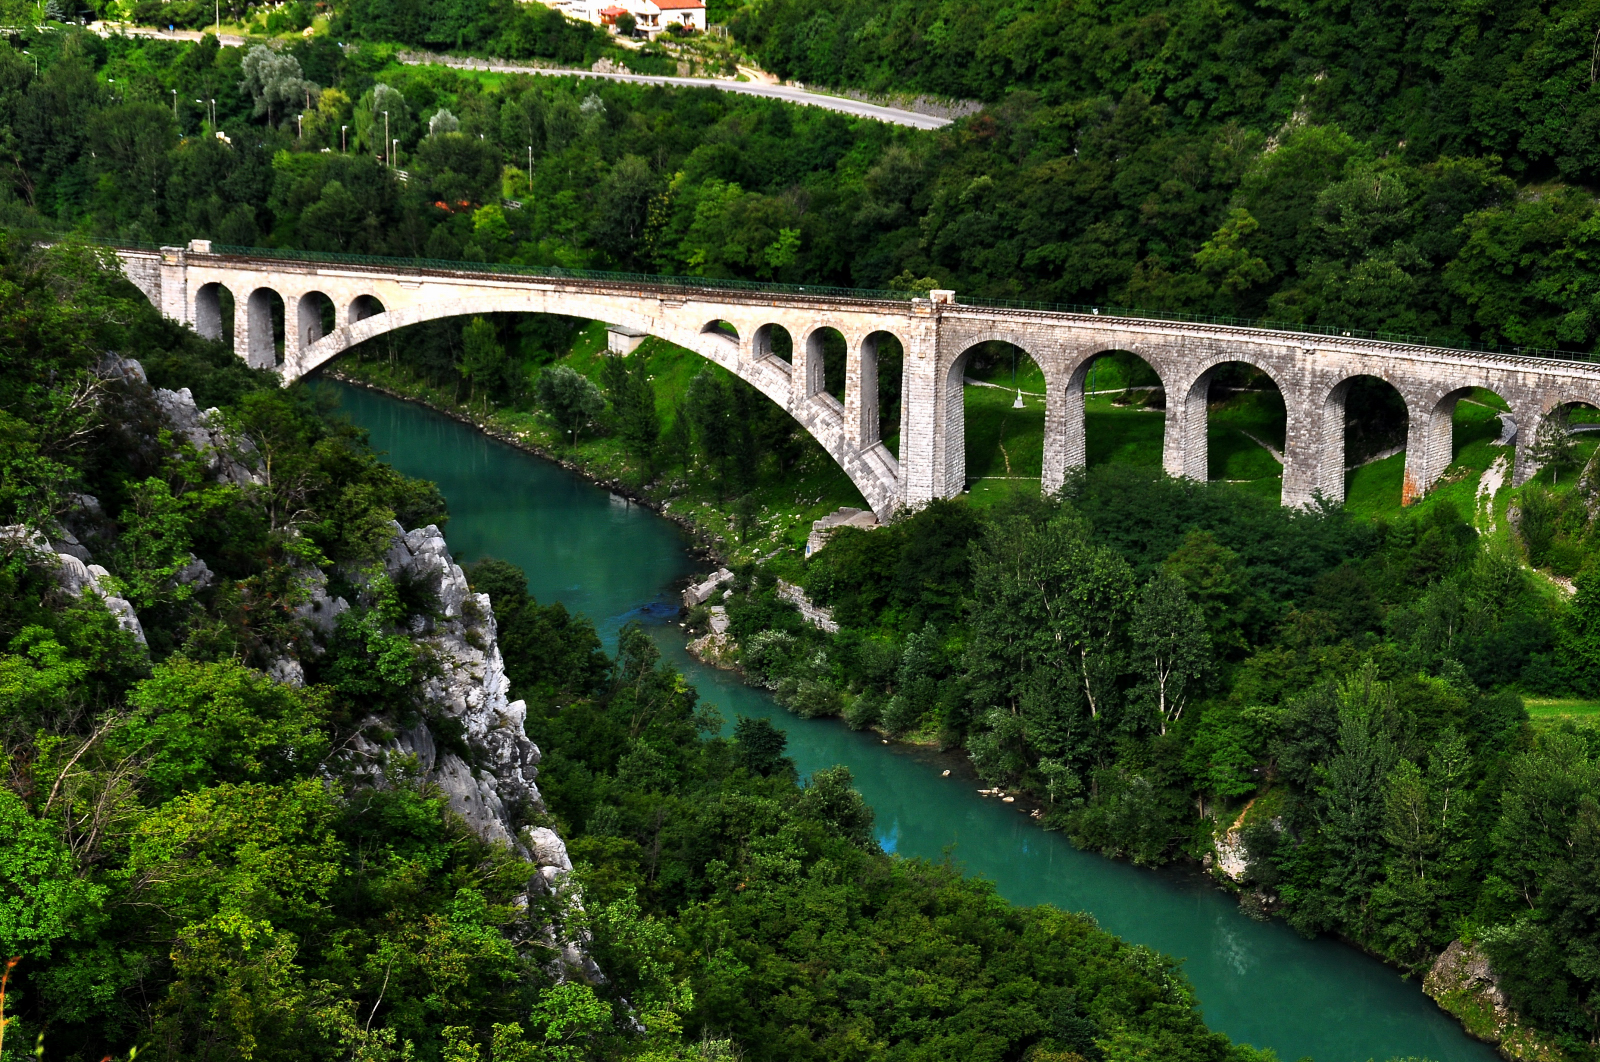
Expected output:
(74, 576)
(488, 776)
(227, 456)
(1464, 983)
(472, 742)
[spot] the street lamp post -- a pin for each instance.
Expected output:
(174, 105)
(344, 141)
(35, 59)
(390, 158)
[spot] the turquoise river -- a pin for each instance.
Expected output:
(1258, 982)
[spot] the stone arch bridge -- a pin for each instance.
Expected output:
(732, 326)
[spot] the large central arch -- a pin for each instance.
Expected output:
(726, 339)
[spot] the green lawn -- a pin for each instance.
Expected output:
(1239, 430)
(1123, 435)
(1004, 445)
(1550, 712)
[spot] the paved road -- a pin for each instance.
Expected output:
(787, 93)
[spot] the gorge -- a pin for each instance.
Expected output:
(1257, 982)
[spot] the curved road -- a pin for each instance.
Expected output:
(787, 93)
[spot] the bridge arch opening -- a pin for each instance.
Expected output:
(773, 341)
(363, 307)
(825, 368)
(726, 426)
(725, 337)
(1234, 424)
(999, 433)
(315, 318)
(878, 385)
(1468, 430)
(264, 333)
(1124, 405)
(213, 311)
(1565, 441)
(1360, 455)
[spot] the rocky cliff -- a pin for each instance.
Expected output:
(471, 742)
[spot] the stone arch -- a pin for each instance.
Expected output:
(871, 469)
(1333, 456)
(263, 329)
(726, 336)
(210, 313)
(821, 360)
(1431, 440)
(363, 307)
(772, 341)
(1564, 404)
(1066, 414)
(875, 371)
(316, 316)
(954, 413)
(1186, 450)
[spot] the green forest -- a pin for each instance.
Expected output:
(1372, 722)
(1231, 161)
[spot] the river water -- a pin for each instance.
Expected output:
(1260, 983)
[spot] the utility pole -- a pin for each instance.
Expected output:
(530, 167)
(219, 21)
(386, 138)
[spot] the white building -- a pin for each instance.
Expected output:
(650, 16)
(656, 15)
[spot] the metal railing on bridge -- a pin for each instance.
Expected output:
(663, 280)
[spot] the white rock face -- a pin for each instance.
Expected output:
(206, 433)
(471, 688)
(76, 577)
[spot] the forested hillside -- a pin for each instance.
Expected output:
(1305, 169)
(1328, 711)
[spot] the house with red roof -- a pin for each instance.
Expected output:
(657, 15)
